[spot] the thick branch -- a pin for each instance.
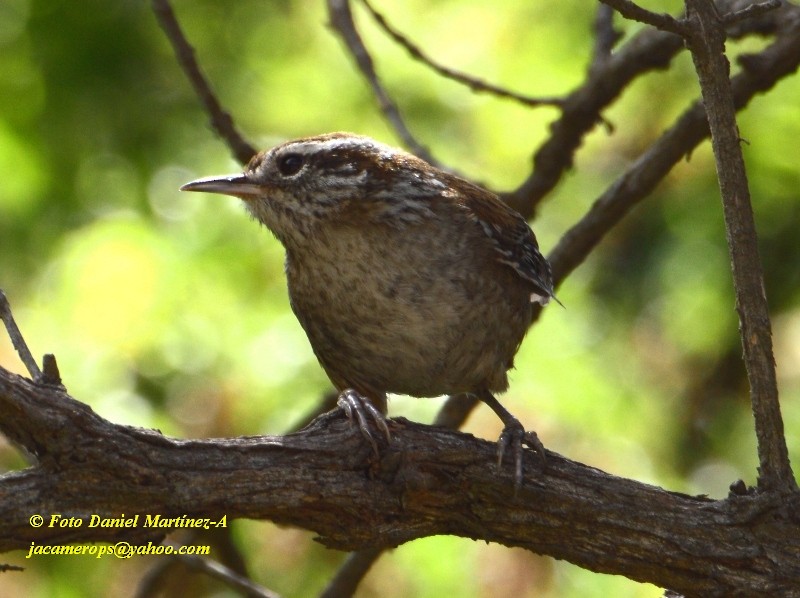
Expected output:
(706, 41)
(429, 481)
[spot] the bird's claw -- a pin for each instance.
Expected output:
(512, 440)
(362, 412)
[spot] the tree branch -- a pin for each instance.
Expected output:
(473, 83)
(17, 339)
(605, 36)
(221, 120)
(224, 574)
(751, 11)
(634, 12)
(646, 51)
(350, 574)
(760, 72)
(341, 19)
(581, 111)
(706, 40)
(429, 481)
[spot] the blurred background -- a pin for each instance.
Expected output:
(169, 310)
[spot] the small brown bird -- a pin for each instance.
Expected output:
(405, 278)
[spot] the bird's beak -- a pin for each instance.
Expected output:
(238, 185)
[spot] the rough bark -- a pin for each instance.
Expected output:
(428, 481)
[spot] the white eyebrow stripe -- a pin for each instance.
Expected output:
(300, 148)
(311, 147)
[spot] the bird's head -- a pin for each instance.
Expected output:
(295, 186)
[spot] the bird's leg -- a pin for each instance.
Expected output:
(360, 410)
(513, 437)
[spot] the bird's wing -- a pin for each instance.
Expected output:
(512, 239)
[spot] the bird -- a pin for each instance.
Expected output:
(406, 279)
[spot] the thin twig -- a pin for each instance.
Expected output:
(649, 50)
(646, 51)
(7, 567)
(455, 411)
(775, 62)
(631, 10)
(341, 19)
(152, 581)
(224, 574)
(475, 84)
(350, 574)
(706, 41)
(17, 339)
(50, 373)
(221, 120)
(751, 11)
(605, 36)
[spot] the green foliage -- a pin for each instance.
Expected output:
(169, 310)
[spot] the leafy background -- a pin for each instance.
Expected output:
(169, 310)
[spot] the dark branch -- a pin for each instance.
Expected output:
(706, 39)
(631, 10)
(350, 574)
(152, 583)
(627, 191)
(221, 121)
(6, 567)
(581, 111)
(17, 340)
(429, 481)
(224, 574)
(455, 411)
(473, 83)
(605, 36)
(751, 11)
(341, 19)
(647, 51)
(761, 72)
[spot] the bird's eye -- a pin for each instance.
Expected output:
(290, 164)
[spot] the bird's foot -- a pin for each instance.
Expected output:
(359, 410)
(511, 441)
(513, 438)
